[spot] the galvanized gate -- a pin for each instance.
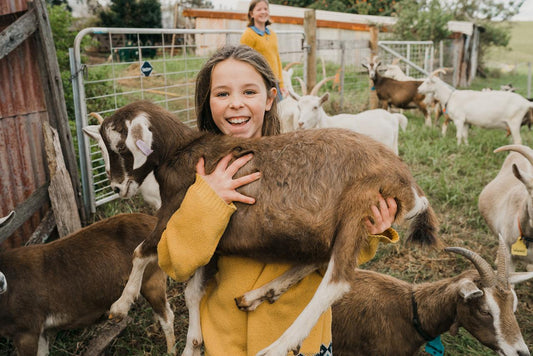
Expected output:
(121, 65)
(417, 57)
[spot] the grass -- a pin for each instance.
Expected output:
(520, 49)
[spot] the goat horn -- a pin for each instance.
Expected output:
(503, 262)
(289, 65)
(523, 150)
(488, 278)
(97, 117)
(316, 88)
(302, 85)
(438, 71)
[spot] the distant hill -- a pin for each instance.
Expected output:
(521, 47)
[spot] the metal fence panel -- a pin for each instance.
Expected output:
(122, 65)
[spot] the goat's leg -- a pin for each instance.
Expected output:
(121, 307)
(27, 343)
(515, 133)
(44, 345)
(193, 295)
(327, 293)
(274, 289)
(154, 289)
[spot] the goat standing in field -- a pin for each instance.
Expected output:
(402, 94)
(506, 203)
(378, 124)
(72, 282)
(492, 109)
(322, 184)
(393, 317)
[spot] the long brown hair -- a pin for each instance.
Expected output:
(204, 121)
(251, 8)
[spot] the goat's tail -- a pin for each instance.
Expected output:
(423, 225)
(402, 121)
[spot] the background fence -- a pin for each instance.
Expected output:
(123, 65)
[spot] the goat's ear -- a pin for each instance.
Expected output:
(93, 131)
(524, 177)
(519, 277)
(324, 98)
(469, 290)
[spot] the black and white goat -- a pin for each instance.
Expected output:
(316, 188)
(72, 282)
(399, 317)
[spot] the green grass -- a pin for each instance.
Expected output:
(520, 47)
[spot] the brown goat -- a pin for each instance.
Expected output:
(316, 188)
(399, 93)
(71, 282)
(382, 321)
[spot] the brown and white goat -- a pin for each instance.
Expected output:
(393, 317)
(506, 202)
(316, 188)
(71, 282)
(399, 93)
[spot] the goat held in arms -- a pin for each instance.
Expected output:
(316, 188)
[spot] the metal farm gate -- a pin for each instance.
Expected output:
(416, 57)
(112, 67)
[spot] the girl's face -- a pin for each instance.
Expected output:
(260, 14)
(239, 98)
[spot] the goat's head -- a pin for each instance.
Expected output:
(431, 83)
(394, 71)
(311, 110)
(372, 68)
(487, 305)
(508, 87)
(126, 140)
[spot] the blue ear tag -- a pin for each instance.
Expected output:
(373, 88)
(435, 347)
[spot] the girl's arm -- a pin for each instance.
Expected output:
(194, 230)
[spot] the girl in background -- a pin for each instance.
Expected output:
(263, 39)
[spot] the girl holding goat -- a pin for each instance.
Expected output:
(236, 95)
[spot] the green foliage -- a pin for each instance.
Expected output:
(61, 25)
(421, 20)
(132, 13)
(363, 7)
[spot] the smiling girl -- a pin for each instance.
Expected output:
(235, 93)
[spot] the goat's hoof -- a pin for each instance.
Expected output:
(296, 350)
(115, 318)
(239, 301)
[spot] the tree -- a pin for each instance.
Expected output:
(132, 13)
(363, 7)
(421, 20)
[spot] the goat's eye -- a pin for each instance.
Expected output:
(315, 107)
(485, 313)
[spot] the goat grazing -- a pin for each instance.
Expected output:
(399, 93)
(506, 203)
(320, 202)
(71, 282)
(492, 109)
(393, 317)
(378, 124)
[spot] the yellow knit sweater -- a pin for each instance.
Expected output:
(267, 45)
(189, 242)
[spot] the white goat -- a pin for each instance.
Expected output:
(288, 107)
(493, 109)
(378, 124)
(506, 203)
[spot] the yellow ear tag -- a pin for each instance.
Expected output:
(519, 248)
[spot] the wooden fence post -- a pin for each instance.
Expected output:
(372, 96)
(310, 35)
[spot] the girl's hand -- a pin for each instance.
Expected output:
(383, 217)
(222, 182)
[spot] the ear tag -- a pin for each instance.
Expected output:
(435, 347)
(144, 147)
(519, 248)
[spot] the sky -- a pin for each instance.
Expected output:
(526, 11)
